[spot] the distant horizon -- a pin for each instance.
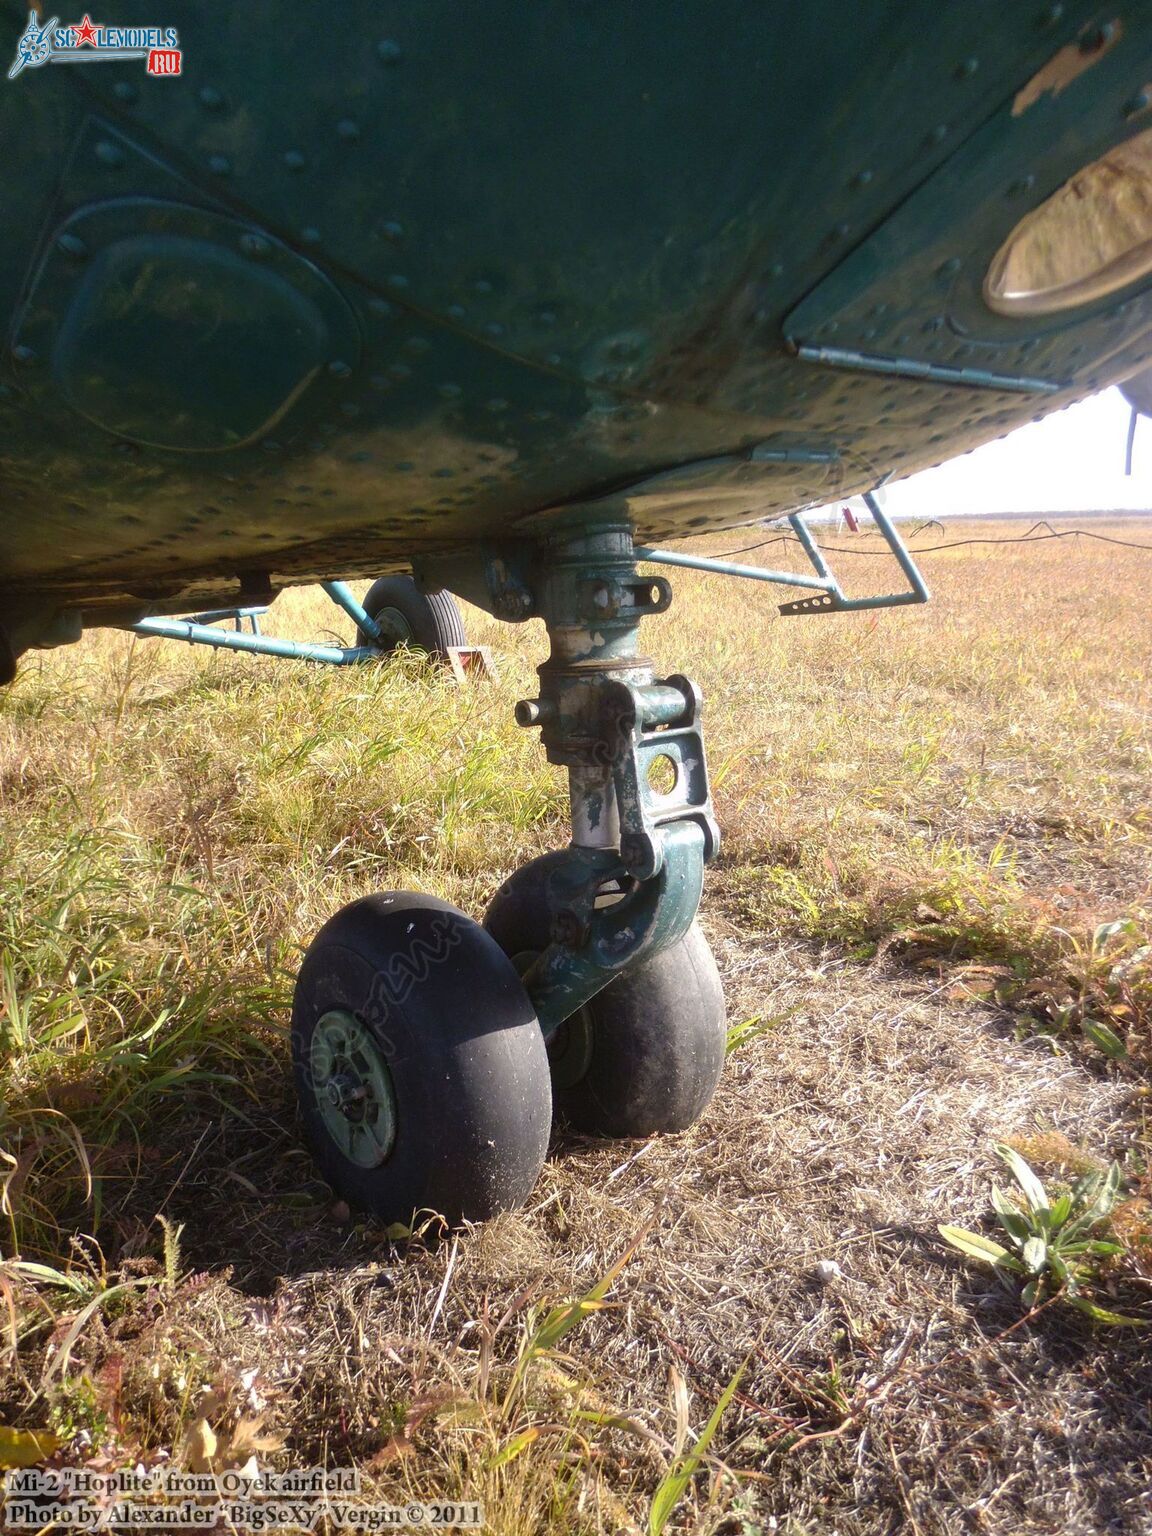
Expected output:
(1102, 514)
(1070, 463)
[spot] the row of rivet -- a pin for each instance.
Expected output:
(390, 52)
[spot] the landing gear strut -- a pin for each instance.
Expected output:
(419, 1037)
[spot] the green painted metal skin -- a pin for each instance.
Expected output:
(493, 289)
(351, 290)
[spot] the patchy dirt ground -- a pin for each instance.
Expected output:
(920, 811)
(900, 1391)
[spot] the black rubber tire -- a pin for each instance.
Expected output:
(655, 1036)
(433, 617)
(460, 1040)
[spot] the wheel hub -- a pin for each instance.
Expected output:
(570, 1050)
(570, 1043)
(345, 1093)
(353, 1089)
(396, 628)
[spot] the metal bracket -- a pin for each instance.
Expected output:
(593, 942)
(237, 616)
(496, 578)
(834, 601)
(659, 733)
(831, 598)
(937, 373)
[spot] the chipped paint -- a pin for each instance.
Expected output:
(1072, 61)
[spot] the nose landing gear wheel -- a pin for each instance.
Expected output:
(427, 621)
(420, 1068)
(645, 1054)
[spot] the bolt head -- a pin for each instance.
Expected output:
(567, 929)
(254, 245)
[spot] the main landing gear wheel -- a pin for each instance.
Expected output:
(645, 1054)
(420, 1067)
(427, 621)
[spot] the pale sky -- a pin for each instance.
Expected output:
(1072, 461)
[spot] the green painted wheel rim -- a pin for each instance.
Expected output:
(352, 1087)
(570, 1044)
(397, 630)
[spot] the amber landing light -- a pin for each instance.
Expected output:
(1091, 238)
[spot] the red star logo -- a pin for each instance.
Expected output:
(85, 33)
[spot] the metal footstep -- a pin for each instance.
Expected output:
(471, 663)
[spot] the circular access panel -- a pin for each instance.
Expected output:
(179, 328)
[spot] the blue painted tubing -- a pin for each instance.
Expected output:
(218, 615)
(823, 581)
(919, 592)
(259, 645)
(343, 596)
(725, 568)
(800, 529)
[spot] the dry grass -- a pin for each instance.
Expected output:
(928, 817)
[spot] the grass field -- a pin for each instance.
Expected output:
(933, 912)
